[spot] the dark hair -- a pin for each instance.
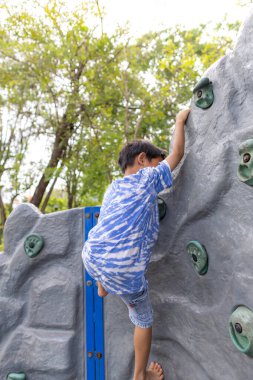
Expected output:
(133, 148)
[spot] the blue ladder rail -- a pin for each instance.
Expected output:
(94, 313)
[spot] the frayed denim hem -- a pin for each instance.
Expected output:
(140, 324)
(139, 308)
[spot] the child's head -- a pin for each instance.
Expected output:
(138, 154)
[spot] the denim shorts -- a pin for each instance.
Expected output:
(139, 307)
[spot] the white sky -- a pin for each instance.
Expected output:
(145, 15)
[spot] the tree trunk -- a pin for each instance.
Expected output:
(71, 188)
(63, 134)
(137, 127)
(44, 205)
(2, 211)
(70, 200)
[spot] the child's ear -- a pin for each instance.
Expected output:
(141, 158)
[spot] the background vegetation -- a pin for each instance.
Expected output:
(84, 93)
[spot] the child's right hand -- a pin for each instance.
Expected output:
(183, 115)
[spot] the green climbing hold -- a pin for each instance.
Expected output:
(33, 245)
(198, 256)
(162, 207)
(203, 93)
(16, 376)
(245, 170)
(241, 329)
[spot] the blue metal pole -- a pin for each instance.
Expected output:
(99, 321)
(94, 313)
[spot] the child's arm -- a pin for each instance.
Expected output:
(178, 144)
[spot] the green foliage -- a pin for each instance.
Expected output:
(56, 203)
(57, 71)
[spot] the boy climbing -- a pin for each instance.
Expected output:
(119, 247)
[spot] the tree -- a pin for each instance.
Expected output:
(89, 93)
(47, 59)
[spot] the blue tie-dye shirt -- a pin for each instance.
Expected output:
(118, 248)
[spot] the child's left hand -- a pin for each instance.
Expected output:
(183, 115)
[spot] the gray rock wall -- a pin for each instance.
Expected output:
(41, 298)
(208, 203)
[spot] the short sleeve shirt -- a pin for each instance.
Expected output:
(119, 247)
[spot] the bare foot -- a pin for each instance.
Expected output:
(154, 372)
(101, 291)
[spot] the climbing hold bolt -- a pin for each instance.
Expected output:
(97, 215)
(198, 256)
(199, 93)
(238, 327)
(162, 207)
(241, 329)
(245, 170)
(33, 245)
(16, 376)
(203, 93)
(246, 157)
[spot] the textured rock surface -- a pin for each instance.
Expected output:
(208, 203)
(41, 298)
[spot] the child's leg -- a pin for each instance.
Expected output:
(142, 344)
(141, 314)
(101, 291)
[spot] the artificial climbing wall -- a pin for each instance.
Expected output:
(41, 296)
(200, 276)
(202, 291)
